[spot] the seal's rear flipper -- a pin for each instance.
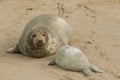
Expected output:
(86, 71)
(96, 69)
(13, 50)
(52, 62)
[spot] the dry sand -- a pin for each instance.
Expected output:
(96, 25)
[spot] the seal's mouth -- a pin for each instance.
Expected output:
(38, 45)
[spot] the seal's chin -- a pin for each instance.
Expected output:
(39, 53)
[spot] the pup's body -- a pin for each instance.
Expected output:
(72, 58)
(43, 35)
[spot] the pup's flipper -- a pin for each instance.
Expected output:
(96, 69)
(86, 71)
(52, 62)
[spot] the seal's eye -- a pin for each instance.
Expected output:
(43, 34)
(34, 35)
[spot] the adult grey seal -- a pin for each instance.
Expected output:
(71, 58)
(42, 36)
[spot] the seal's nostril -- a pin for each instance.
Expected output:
(40, 41)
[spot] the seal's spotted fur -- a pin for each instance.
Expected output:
(57, 33)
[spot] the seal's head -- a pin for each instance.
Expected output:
(40, 43)
(38, 38)
(37, 43)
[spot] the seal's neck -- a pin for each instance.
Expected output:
(52, 43)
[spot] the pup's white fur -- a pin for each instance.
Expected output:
(72, 58)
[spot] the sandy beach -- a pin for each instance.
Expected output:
(96, 31)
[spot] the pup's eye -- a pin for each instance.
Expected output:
(34, 35)
(43, 34)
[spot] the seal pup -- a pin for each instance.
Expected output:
(71, 58)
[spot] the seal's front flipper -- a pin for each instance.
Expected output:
(96, 69)
(52, 62)
(14, 49)
(86, 71)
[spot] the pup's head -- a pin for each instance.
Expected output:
(38, 38)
